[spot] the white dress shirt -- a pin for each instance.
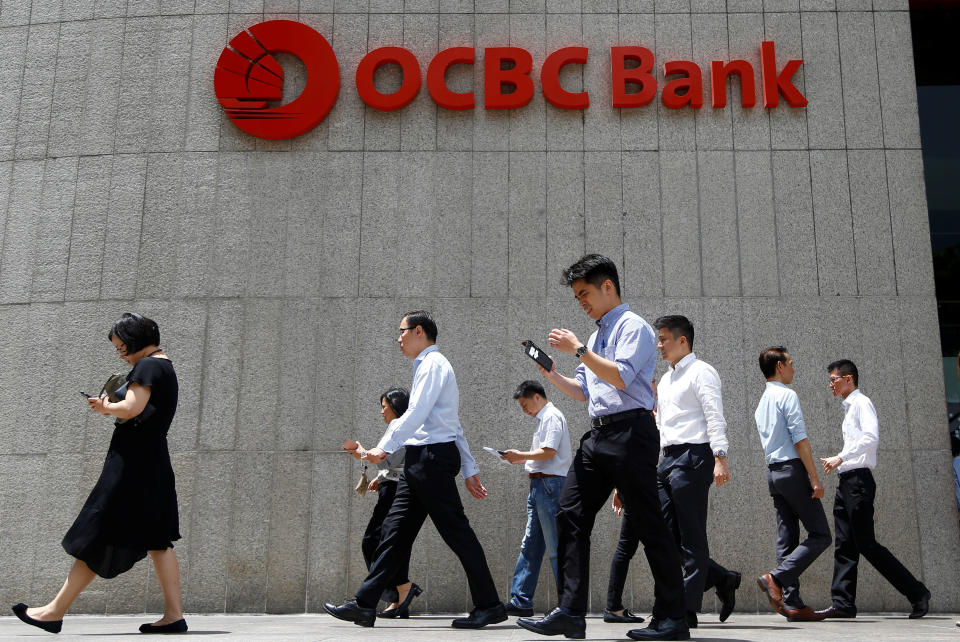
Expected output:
(861, 433)
(690, 406)
(433, 414)
(552, 433)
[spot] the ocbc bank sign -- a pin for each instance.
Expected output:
(248, 79)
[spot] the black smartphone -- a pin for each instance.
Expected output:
(86, 395)
(531, 350)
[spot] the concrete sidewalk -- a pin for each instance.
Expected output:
(872, 627)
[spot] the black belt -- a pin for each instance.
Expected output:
(778, 465)
(606, 420)
(542, 475)
(676, 449)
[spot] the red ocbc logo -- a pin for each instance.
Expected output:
(247, 77)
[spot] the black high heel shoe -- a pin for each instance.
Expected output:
(20, 610)
(402, 612)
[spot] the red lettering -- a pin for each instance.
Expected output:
(775, 84)
(436, 78)
(692, 85)
(718, 82)
(408, 88)
(640, 74)
(555, 94)
(495, 77)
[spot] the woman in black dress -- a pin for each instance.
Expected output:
(132, 510)
(393, 403)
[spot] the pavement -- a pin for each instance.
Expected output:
(879, 627)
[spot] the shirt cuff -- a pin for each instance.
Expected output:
(469, 469)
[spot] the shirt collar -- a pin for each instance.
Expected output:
(683, 363)
(776, 383)
(543, 410)
(612, 315)
(426, 351)
(851, 398)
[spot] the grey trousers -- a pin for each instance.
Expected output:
(790, 489)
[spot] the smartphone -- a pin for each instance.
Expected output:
(531, 350)
(86, 395)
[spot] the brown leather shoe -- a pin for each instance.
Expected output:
(769, 586)
(806, 614)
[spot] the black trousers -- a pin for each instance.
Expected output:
(428, 487)
(790, 489)
(386, 491)
(853, 529)
(683, 481)
(622, 455)
(620, 564)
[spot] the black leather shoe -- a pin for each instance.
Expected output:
(667, 629)
(626, 618)
(352, 612)
(691, 620)
(513, 609)
(180, 626)
(727, 594)
(480, 618)
(20, 610)
(921, 606)
(557, 623)
(834, 613)
(402, 612)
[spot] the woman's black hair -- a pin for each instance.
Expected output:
(136, 331)
(398, 399)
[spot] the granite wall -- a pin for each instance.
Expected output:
(278, 272)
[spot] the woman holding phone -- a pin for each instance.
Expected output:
(132, 510)
(393, 403)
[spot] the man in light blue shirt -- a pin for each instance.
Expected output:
(546, 464)
(435, 451)
(614, 377)
(794, 486)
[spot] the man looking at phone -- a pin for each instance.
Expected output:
(620, 451)
(435, 451)
(546, 464)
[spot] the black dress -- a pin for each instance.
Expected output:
(133, 507)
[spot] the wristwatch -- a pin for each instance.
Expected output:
(720, 454)
(582, 350)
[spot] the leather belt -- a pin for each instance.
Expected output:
(677, 449)
(542, 475)
(606, 420)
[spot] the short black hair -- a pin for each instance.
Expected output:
(594, 269)
(398, 399)
(529, 388)
(845, 367)
(678, 325)
(769, 359)
(136, 331)
(424, 320)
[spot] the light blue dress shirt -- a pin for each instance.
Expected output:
(780, 422)
(626, 339)
(433, 415)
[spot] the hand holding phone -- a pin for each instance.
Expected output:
(534, 352)
(86, 395)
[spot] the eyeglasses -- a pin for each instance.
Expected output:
(402, 330)
(121, 350)
(836, 379)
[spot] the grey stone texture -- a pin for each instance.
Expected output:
(278, 271)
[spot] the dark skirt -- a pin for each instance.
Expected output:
(132, 508)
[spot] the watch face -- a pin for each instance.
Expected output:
(720, 453)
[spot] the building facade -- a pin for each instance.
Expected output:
(279, 270)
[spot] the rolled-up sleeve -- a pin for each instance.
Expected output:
(581, 376)
(708, 392)
(629, 355)
(796, 426)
